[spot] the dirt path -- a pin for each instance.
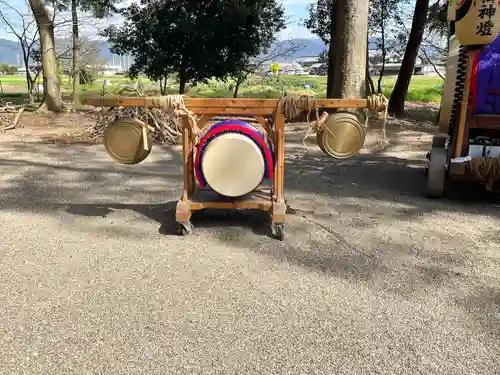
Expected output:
(372, 279)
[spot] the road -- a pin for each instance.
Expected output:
(372, 278)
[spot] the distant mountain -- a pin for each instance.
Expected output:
(10, 51)
(308, 47)
(11, 54)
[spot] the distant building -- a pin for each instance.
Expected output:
(319, 69)
(420, 68)
(307, 61)
(110, 70)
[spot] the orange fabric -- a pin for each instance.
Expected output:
(473, 80)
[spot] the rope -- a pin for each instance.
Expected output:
(292, 106)
(377, 107)
(174, 104)
(485, 169)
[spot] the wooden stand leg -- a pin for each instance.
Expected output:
(279, 206)
(183, 211)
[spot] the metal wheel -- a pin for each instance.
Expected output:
(439, 141)
(186, 228)
(436, 173)
(279, 231)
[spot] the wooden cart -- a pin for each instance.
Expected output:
(446, 160)
(265, 112)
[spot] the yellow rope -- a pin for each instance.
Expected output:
(292, 106)
(377, 108)
(486, 169)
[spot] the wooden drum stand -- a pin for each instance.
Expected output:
(271, 118)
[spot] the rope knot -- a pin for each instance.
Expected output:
(378, 106)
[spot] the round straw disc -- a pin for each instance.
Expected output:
(343, 137)
(233, 165)
(124, 142)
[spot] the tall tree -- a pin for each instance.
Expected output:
(23, 27)
(437, 20)
(196, 40)
(249, 64)
(324, 18)
(351, 28)
(384, 16)
(400, 92)
(321, 23)
(98, 9)
(52, 90)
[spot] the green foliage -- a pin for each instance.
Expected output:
(87, 76)
(320, 19)
(98, 8)
(195, 39)
(381, 12)
(323, 57)
(275, 68)
(422, 88)
(8, 69)
(271, 22)
(12, 69)
(437, 20)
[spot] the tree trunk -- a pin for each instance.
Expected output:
(76, 54)
(237, 88)
(163, 85)
(52, 90)
(331, 51)
(30, 82)
(182, 81)
(384, 52)
(351, 19)
(31, 85)
(370, 87)
(400, 92)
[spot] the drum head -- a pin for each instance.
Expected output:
(342, 137)
(233, 165)
(124, 142)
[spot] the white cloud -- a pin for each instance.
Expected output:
(295, 32)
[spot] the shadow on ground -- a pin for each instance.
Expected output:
(335, 210)
(37, 175)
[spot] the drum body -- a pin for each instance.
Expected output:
(233, 158)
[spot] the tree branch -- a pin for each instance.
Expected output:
(422, 50)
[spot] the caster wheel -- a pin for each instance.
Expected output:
(186, 228)
(279, 231)
(436, 173)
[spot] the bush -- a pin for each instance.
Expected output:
(87, 77)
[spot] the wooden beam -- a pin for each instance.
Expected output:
(207, 106)
(232, 111)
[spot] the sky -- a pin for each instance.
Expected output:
(295, 11)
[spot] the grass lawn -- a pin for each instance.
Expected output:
(422, 88)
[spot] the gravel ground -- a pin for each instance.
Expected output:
(372, 279)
